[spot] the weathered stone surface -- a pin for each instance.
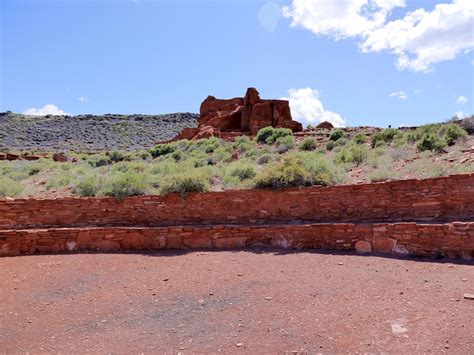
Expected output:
(245, 115)
(325, 125)
(340, 217)
(363, 246)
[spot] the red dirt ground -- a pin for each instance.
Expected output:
(248, 301)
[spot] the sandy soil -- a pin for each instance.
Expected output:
(248, 301)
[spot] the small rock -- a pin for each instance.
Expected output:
(340, 263)
(469, 296)
(166, 279)
(268, 298)
(239, 344)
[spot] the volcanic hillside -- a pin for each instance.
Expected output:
(90, 132)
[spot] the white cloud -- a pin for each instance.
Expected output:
(461, 100)
(419, 39)
(308, 109)
(460, 115)
(45, 110)
(342, 18)
(402, 95)
(83, 99)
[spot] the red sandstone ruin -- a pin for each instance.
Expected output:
(228, 118)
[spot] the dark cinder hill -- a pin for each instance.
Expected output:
(90, 132)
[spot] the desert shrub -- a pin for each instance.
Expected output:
(386, 135)
(221, 154)
(265, 158)
(308, 144)
(436, 170)
(295, 170)
(330, 145)
(451, 132)
(117, 156)
(285, 143)
(269, 135)
(462, 169)
(192, 181)
(243, 171)
(341, 142)
(401, 153)
(9, 187)
(97, 160)
(162, 149)
(165, 167)
(129, 183)
(209, 145)
(430, 141)
(264, 133)
(243, 144)
(352, 153)
(381, 174)
(177, 155)
(88, 185)
(124, 167)
(360, 138)
(467, 124)
(59, 180)
(336, 134)
(289, 172)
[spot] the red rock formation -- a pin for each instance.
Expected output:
(325, 125)
(227, 118)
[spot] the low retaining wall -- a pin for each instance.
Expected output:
(449, 239)
(441, 199)
(423, 217)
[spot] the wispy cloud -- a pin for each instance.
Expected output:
(461, 100)
(402, 95)
(83, 99)
(49, 109)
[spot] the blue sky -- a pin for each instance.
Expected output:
(120, 56)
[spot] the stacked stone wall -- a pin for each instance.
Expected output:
(427, 217)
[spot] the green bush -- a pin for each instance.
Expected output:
(243, 144)
(296, 170)
(9, 187)
(89, 185)
(352, 153)
(116, 156)
(308, 144)
(285, 143)
(264, 133)
(336, 134)
(430, 141)
(286, 173)
(265, 158)
(451, 132)
(59, 180)
(98, 160)
(243, 171)
(184, 183)
(330, 145)
(162, 149)
(360, 138)
(381, 174)
(129, 183)
(209, 145)
(270, 135)
(386, 135)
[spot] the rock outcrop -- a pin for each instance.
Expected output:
(228, 118)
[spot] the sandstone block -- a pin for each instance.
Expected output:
(363, 246)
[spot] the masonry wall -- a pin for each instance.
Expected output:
(441, 199)
(422, 217)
